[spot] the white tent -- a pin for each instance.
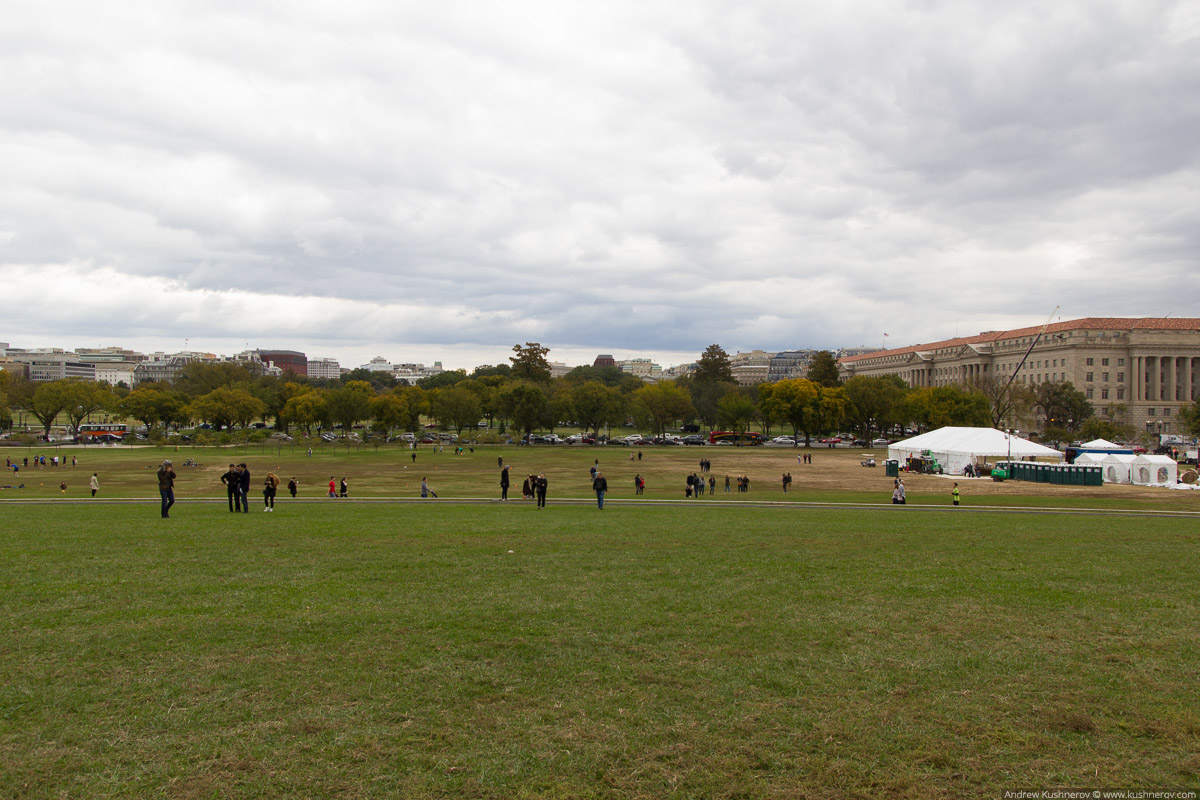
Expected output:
(1118, 467)
(1090, 459)
(954, 448)
(1151, 470)
(1103, 446)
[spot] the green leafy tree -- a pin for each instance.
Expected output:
(939, 406)
(609, 376)
(488, 389)
(224, 406)
(390, 411)
(85, 398)
(350, 404)
(5, 408)
(1055, 435)
(459, 407)
(526, 405)
(379, 380)
(305, 410)
(662, 404)
(561, 408)
(443, 380)
(823, 370)
(153, 405)
(735, 411)
(530, 362)
(705, 396)
(201, 377)
(830, 408)
(1061, 405)
(492, 371)
(714, 366)
(872, 403)
(1110, 429)
(45, 401)
(794, 401)
(1189, 418)
(596, 405)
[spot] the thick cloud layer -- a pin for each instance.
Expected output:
(439, 181)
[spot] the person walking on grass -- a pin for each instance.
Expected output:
(504, 485)
(599, 486)
(292, 487)
(270, 487)
(712, 485)
(425, 490)
(540, 484)
(332, 487)
(345, 488)
(95, 484)
(954, 493)
(166, 487)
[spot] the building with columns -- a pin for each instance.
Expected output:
(1149, 366)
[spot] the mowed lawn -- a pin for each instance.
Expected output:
(342, 650)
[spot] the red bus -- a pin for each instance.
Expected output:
(101, 431)
(750, 437)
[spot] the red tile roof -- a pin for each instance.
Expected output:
(1088, 323)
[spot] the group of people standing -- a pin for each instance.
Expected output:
(695, 484)
(534, 486)
(237, 488)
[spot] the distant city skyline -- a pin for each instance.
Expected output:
(498, 355)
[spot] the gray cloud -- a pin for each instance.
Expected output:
(619, 177)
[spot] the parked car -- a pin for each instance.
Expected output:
(693, 439)
(880, 442)
(784, 440)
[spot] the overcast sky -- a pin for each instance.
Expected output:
(438, 181)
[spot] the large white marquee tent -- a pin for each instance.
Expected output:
(954, 448)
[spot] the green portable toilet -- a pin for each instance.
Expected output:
(1077, 475)
(1041, 473)
(1054, 474)
(1093, 476)
(891, 468)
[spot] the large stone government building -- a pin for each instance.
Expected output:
(1148, 366)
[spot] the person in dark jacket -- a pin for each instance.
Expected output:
(244, 487)
(230, 479)
(540, 485)
(599, 486)
(345, 488)
(166, 487)
(292, 486)
(504, 484)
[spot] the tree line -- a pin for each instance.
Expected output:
(521, 396)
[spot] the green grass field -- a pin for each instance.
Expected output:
(391, 472)
(429, 650)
